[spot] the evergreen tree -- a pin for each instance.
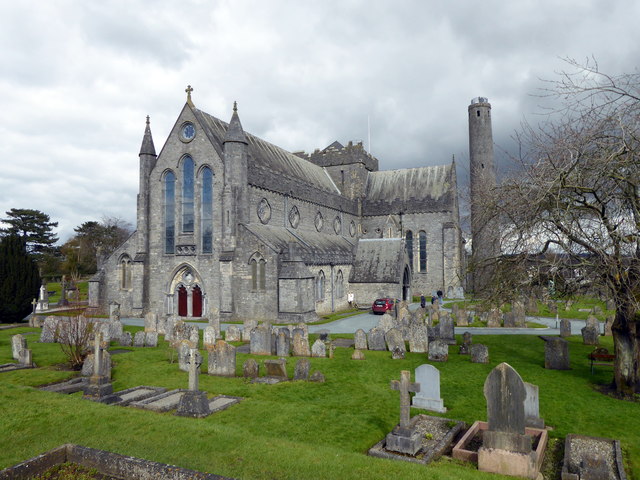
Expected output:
(19, 280)
(33, 227)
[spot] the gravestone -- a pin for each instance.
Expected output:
(18, 343)
(318, 349)
(428, 377)
(305, 328)
(494, 318)
(162, 326)
(260, 340)
(194, 335)
(376, 340)
(151, 339)
(184, 348)
(105, 330)
(403, 438)
(48, 334)
(125, 339)
(250, 369)
(418, 338)
(99, 387)
(462, 319)
(233, 334)
(247, 328)
(593, 322)
(283, 343)
(357, 355)
(397, 353)
(465, 348)
(300, 344)
(317, 377)
(194, 402)
(301, 371)
(438, 351)
(222, 359)
(209, 337)
(386, 322)
(479, 353)
(214, 323)
(532, 406)
(556, 353)
(565, 328)
(360, 339)
(169, 329)
(394, 340)
(608, 325)
(276, 368)
(151, 322)
(105, 365)
(138, 339)
(509, 320)
(26, 357)
(590, 335)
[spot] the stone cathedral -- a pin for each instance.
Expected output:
(234, 227)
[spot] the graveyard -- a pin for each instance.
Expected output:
(303, 429)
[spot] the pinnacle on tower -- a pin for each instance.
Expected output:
(235, 133)
(147, 147)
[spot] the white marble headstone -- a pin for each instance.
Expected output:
(428, 397)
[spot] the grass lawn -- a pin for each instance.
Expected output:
(298, 430)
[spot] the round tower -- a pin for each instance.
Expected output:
(483, 179)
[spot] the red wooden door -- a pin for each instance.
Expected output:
(182, 302)
(197, 302)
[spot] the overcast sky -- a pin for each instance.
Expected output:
(77, 79)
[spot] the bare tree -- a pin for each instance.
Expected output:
(575, 200)
(74, 335)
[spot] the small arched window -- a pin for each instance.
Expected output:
(187, 194)
(409, 246)
(125, 272)
(339, 285)
(257, 267)
(169, 212)
(207, 210)
(320, 286)
(423, 250)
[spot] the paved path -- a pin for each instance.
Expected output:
(367, 321)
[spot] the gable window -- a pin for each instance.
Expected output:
(207, 210)
(187, 195)
(409, 247)
(423, 250)
(169, 212)
(320, 287)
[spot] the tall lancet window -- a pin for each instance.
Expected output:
(409, 246)
(187, 194)
(169, 212)
(207, 210)
(423, 250)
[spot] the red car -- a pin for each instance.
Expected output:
(381, 305)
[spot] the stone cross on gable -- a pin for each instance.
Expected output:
(96, 353)
(193, 370)
(189, 90)
(405, 386)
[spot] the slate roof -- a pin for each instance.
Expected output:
(275, 169)
(413, 190)
(378, 260)
(313, 247)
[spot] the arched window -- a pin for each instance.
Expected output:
(320, 286)
(409, 246)
(169, 212)
(339, 285)
(187, 194)
(257, 266)
(207, 210)
(423, 250)
(125, 272)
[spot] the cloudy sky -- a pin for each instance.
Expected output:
(77, 79)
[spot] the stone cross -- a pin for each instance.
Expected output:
(405, 386)
(193, 370)
(34, 302)
(96, 353)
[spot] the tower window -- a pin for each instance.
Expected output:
(478, 112)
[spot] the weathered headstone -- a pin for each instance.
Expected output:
(509, 320)
(465, 348)
(233, 334)
(376, 340)
(494, 318)
(26, 357)
(590, 335)
(18, 343)
(184, 348)
(438, 351)
(300, 344)
(151, 339)
(214, 323)
(261, 340)
(556, 354)
(360, 339)
(386, 322)
(283, 343)
(170, 327)
(48, 334)
(479, 353)
(138, 339)
(105, 365)
(317, 377)
(318, 349)
(593, 322)
(301, 371)
(194, 403)
(276, 368)
(247, 328)
(99, 387)
(565, 328)
(428, 377)
(222, 359)
(418, 338)
(403, 438)
(357, 355)
(209, 336)
(394, 340)
(250, 369)
(114, 311)
(532, 406)
(151, 322)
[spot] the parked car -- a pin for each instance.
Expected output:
(381, 305)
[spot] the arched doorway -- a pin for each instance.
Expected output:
(186, 295)
(196, 307)
(182, 301)
(406, 284)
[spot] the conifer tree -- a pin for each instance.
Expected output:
(19, 280)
